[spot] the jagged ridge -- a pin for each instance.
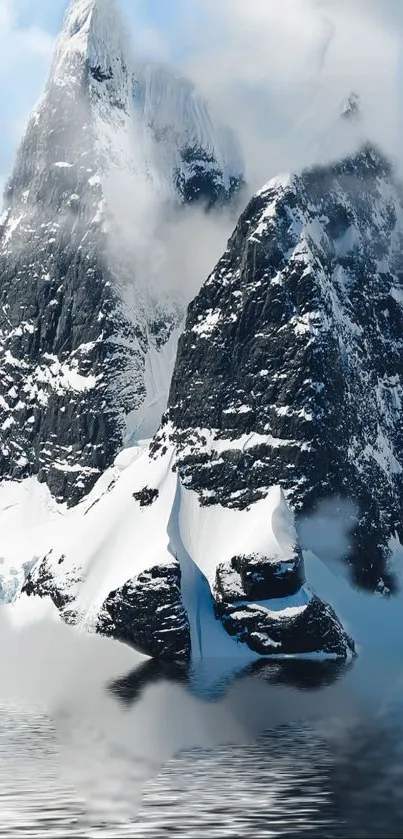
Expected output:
(290, 367)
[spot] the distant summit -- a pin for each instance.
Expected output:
(351, 107)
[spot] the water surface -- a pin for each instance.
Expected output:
(279, 751)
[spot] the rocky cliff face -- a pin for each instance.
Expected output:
(146, 612)
(77, 322)
(290, 368)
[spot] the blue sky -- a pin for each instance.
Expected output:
(27, 32)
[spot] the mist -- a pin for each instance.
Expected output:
(279, 74)
(269, 67)
(172, 249)
(280, 71)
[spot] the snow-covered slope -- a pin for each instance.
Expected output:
(84, 314)
(142, 560)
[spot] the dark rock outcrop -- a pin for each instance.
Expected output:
(146, 496)
(259, 578)
(314, 628)
(41, 582)
(147, 613)
(261, 602)
(202, 156)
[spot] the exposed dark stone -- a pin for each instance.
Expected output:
(146, 496)
(315, 628)
(148, 614)
(40, 582)
(101, 75)
(259, 578)
(201, 180)
(245, 591)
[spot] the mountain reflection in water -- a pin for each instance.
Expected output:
(279, 749)
(292, 673)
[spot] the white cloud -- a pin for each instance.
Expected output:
(276, 69)
(279, 70)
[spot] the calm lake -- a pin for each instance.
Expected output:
(282, 750)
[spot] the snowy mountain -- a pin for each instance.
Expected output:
(286, 394)
(285, 401)
(290, 367)
(87, 330)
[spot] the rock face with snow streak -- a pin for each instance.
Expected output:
(263, 602)
(313, 628)
(146, 613)
(290, 369)
(259, 577)
(77, 323)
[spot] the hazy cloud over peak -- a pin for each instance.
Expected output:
(278, 70)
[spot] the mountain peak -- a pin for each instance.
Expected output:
(80, 13)
(78, 16)
(92, 31)
(104, 140)
(351, 106)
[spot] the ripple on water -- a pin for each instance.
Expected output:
(291, 783)
(230, 791)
